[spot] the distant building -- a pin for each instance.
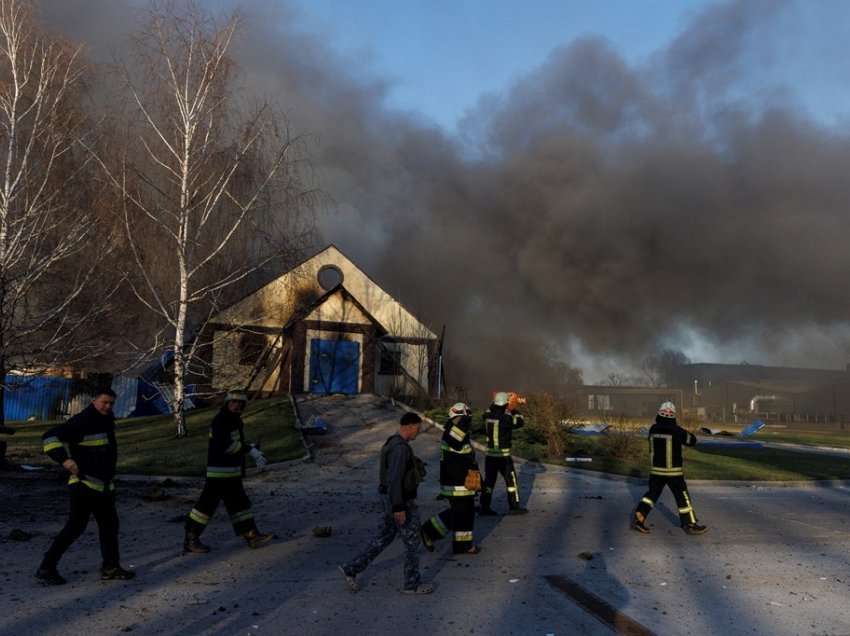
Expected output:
(623, 401)
(742, 392)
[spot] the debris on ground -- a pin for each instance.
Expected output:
(322, 531)
(19, 535)
(155, 494)
(315, 426)
(588, 429)
(585, 556)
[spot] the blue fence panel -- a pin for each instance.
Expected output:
(42, 398)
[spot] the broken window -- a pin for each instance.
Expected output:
(251, 347)
(390, 362)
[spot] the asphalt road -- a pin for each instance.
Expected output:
(775, 560)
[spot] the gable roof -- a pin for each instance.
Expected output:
(339, 289)
(277, 302)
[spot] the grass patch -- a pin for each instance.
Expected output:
(835, 439)
(622, 453)
(147, 446)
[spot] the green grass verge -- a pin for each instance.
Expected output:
(745, 464)
(147, 446)
(835, 439)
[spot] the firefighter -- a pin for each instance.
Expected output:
(666, 438)
(225, 470)
(500, 424)
(459, 481)
(85, 446)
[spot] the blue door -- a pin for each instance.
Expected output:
(334, 366)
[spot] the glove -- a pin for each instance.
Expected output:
(473, 480)
(259, 459)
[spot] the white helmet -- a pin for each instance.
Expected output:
(500, 399)
(667, 409)
(235, 396)
(458, 410)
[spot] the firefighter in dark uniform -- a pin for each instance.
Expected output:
(85, 447)
(457, 460)
(666, 439)
(225, 470)
(500, 425)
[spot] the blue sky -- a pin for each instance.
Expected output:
(440, 56)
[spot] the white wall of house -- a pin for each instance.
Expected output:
(414, 360)
(229, 373)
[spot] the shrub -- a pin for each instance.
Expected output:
(543, 422)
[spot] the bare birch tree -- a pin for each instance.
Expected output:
(206, 183)
(44, 232)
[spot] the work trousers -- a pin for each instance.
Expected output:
(679, 489)
(387, 532)
(493, 467)
(459, 518)
(229, 490)
(86, 502)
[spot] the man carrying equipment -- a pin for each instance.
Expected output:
(85, 447)
(500, 425)
(225, 470)
(666, 439)
(459, 481)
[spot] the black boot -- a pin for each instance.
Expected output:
(639, 523)
(518, 510)
(256, 539)
(116, 573)
(192, 544)
(49, 576)
(694, 528)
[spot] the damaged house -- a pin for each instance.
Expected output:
(322, 327)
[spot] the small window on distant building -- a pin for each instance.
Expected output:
(251, 347)
(390, 362)
(599, 402)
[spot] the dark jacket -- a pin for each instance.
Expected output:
(456, 457)
(89, 439)
(227, 447)
(666, 439)
(400, 472)
(500, 426)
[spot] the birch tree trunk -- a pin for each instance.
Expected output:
(43, 232)
(210, 183)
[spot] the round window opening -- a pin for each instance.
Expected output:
(329, 277)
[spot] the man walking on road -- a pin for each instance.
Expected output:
(225, 470)
(459, 481)
(400, 475)
(500, 425)
(85, 446)
(666, 439)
